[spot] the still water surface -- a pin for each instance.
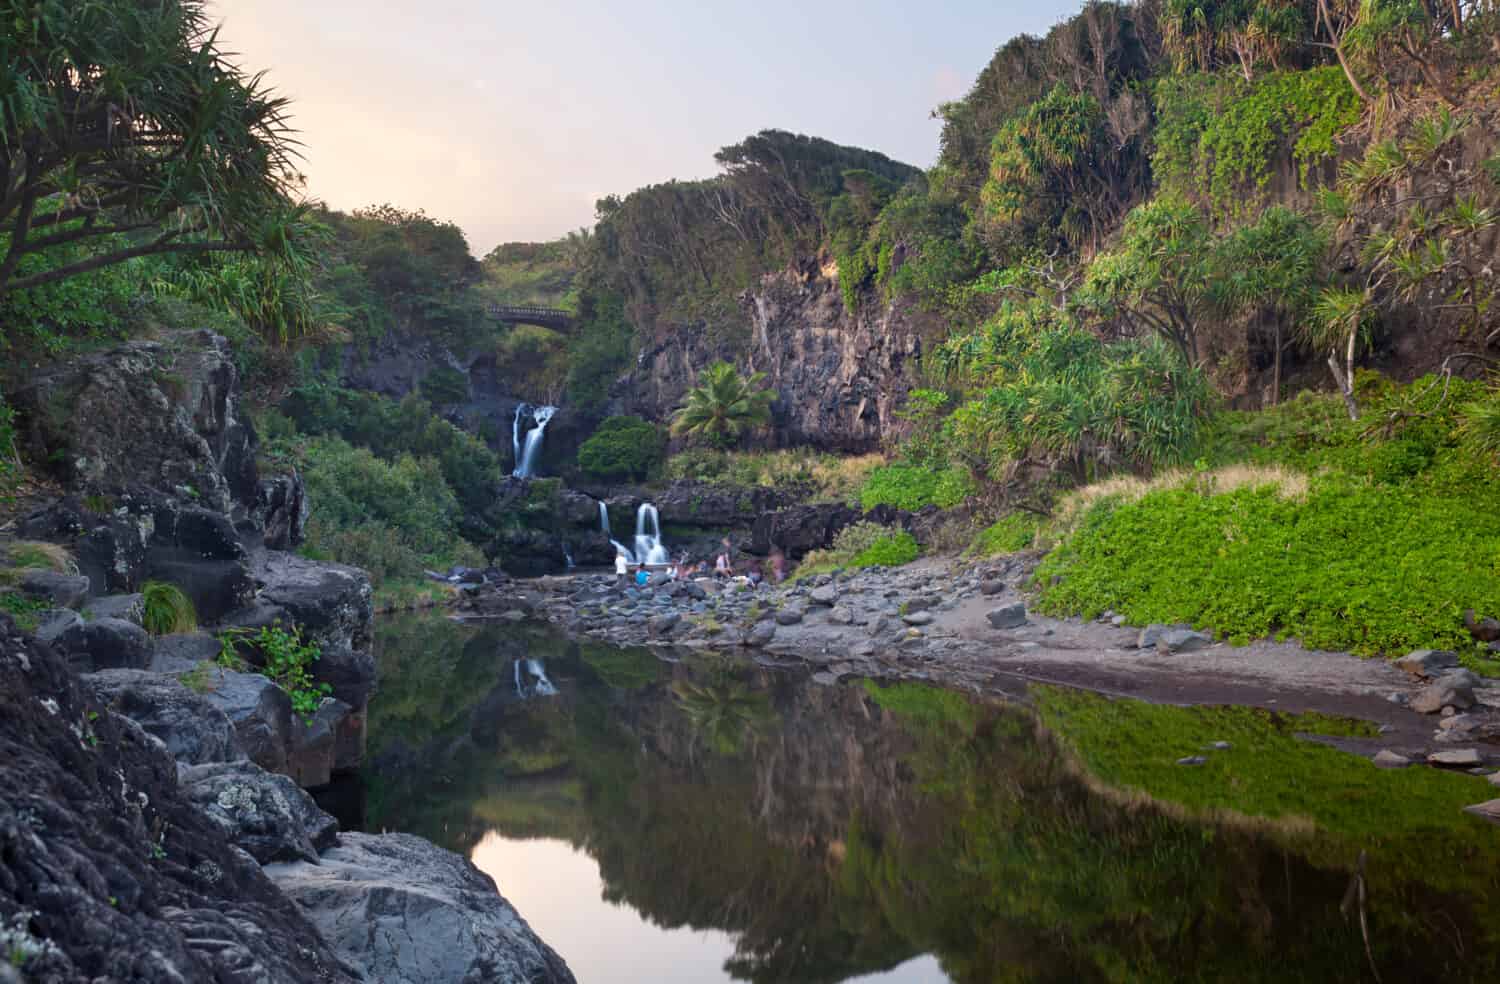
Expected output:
(712, 820)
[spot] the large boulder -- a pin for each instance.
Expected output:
(160, 413)
(105, 643)
(260, 711)
(408, 912)
(191, 727)
(124, 878)
(332, 603)
(60, 590)
(281, 511)
(268, 815)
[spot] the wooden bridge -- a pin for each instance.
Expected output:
(546, 317)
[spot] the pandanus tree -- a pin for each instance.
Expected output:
(125, 132)
(724, 406)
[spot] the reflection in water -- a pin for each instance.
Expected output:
(711, 820)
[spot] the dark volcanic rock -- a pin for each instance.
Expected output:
(162, 414)
(408, 912)
(333, 605)
(839, 376)
(281, 511)
(268, 815)
(124, 879)
(798, 529)
(191, 727)
(704, 504)
(62, 590)
(127, 607)
(260, 712)
(106, 643)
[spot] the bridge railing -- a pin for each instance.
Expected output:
(526, 313)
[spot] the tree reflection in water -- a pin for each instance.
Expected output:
(837, 831)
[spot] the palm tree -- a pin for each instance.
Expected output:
(723, 406)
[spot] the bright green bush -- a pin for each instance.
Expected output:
(285, 658)
(1218, 135)
(622, 447)
(1373, 569)
(392, 518)
(913, 487)
(165, 609)
(863, 545)
(390, 429)
(1013, 533)
(889, 550)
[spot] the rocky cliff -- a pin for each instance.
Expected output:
(840, 375)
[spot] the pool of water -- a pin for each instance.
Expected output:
(712, 820)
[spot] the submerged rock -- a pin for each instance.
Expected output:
(408, 912)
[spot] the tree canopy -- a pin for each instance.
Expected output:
(124, 132)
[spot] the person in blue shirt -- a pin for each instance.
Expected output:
(642, 576)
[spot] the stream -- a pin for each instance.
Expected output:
(711, 819)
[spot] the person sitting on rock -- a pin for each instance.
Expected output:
(778, 565)
(722, 567)
(755, 576)
(642, 576)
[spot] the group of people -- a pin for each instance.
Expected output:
(723, 569)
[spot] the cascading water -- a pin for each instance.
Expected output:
(648, 546)
(604, 518)
(535, 679)
(544, 686)
(515, 432)
(526, 452)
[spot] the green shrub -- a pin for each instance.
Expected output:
(165, 609)
(1359, 566)
(863, 545)
(622, 447)
(1013, 533)
(25, 610)
(889, 550)
(445, 385)
(912, 487)
(286, 661)
(392, 518)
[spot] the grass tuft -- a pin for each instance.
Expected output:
(166, 610)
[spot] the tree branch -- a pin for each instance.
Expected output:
(120, 256)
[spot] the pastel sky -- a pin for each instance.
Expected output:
(512, 118)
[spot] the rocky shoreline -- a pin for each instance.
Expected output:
(969, 626)
(155, 822)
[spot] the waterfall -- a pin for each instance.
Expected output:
(526, 456)
(544, 686)
(568, 557)
(515, 433)
(604, 518)
(648, 546)
(536, 679)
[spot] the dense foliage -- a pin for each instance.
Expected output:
(125, 131)
(724, 407)
(621, 447)
(1379, 551)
